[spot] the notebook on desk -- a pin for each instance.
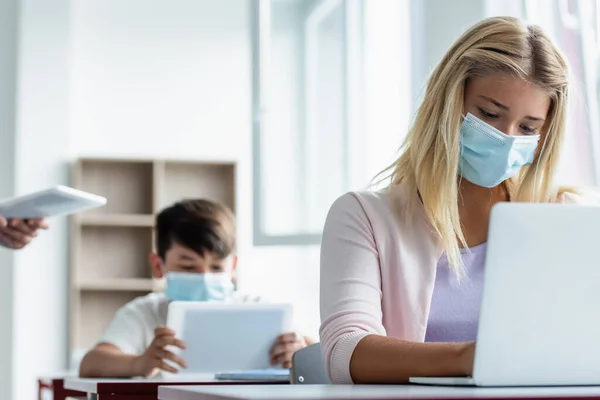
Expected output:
(276, 374)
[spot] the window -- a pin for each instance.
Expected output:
(573, 24)
(308, 115)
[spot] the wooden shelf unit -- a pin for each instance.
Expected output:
(110, 245)
(120, 285)
(116, 220)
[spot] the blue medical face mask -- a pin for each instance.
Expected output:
(488, 157)
(189, 286)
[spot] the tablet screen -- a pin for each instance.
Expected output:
(224, 337)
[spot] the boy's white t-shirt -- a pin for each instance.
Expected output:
(132, 328)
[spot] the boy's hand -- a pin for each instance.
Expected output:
(155, 355)
(284, 348)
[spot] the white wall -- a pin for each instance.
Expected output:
(8, 73)
(161, 78)
(42, 155)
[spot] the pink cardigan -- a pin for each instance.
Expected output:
(378, 270)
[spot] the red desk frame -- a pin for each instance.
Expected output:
(56, 386)
(140, 390)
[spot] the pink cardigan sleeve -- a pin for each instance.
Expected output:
(350, 285)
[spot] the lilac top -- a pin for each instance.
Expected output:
(454, 311)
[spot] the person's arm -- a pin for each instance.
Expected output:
(379, 359)
(106, 360)
(353, 338)
(124, 338)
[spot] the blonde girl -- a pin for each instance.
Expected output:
(489, 130)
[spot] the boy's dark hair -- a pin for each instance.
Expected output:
(198, 224)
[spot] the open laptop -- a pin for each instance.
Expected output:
(227, 337)
(540, 321)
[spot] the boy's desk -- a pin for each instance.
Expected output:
(364, 392)
(146, 389)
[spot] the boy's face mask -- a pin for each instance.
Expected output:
(191, 286)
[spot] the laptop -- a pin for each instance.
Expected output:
(227, 337)
(539, 322)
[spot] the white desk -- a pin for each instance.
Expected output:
(364, 392)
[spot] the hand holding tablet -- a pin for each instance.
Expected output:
(22, 216)
(17, 233)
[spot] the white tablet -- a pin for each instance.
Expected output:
(53, 202)
(225, 337)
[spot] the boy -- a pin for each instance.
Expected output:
(195, 244)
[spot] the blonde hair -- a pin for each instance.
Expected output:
(429, 161)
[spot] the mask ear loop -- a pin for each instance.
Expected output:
(460, 146)
(460, 177)
(537, 164)
(161, 284)
(163, 268)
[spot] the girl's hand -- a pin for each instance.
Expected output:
(467, 358)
